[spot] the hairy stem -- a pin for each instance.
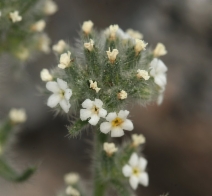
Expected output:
(99, 186)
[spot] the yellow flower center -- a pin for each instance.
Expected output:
(62, 93)
(117, 122)
(136, 171)
(95, 110)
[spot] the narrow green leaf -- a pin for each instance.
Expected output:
(7, 172)
(5, 130)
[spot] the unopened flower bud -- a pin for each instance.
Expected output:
(109, 148)
(87, 27)
(160, 50)
(138, 140)
(65, 60)
(139, 45)
(122, 95)
(59, 47)
(15, 17)
(17, 115)
(45, 75)
(142, 74)
(38, 26)
(112, 55)
(71, 178)
(89, 45)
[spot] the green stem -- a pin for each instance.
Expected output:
(99, 187)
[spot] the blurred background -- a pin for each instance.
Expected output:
(178, 133)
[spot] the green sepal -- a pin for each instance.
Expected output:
(75, 129)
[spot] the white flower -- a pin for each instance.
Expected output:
(158, 71)
(17, 115)
(113, 30)
(93, 85)
(72, 191)
(159, 50)
(50, 7)
(139, 45)
(93, 110)
(138, 139)
(38, 26)
(143, 74)
(45, 75)
(122, 95)
(59, 47)
(71, 178)
(134, 34)
(87, 27)
(61, 94)
(65, 60)
(116, 123)
(112, 55)
(89, 45)
(135, 170)
(109, 148)
(15, 17)
(43, 43)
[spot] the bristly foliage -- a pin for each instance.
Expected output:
(19, 38)
(111, 77)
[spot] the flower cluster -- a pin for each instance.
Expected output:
(22, 27)
(96, 81)
(103, 82)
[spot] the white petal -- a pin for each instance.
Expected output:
(53, 87)
(62, 84)
(102, 113)
(127, 170)
(85, 114)
(94, 119)
(134, 182)
(154, 62)
(65, 105)
(160, 80)
(127, 125)
(61, 66)
(161, 67)
(123, 114)
(142, 163)
(53, 100)
(133, 160)
(117, 132)
(98, 103)
(111, 116)
(87, 104)
(144, 179)
(157, 67)
(68, 93)
(105, 127)
(160, 99)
